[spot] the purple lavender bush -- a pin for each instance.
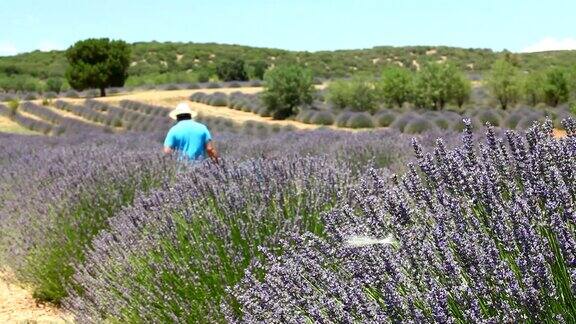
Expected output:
(170, 257)
(58, 193)
(481, 233)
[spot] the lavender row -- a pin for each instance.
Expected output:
(481, 233)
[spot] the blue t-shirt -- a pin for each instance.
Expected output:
(189, 138)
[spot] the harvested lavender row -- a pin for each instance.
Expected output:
(482, 234)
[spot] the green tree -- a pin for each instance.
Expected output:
(435, 85)
(232, 70)
(396, 85)
(54, 85)
(533, 88)
(98, 63)
(461, 89)
(258, 69)
(285, 88)
(339, 93)
(504, 82)
(556, 90)
(359, 94)
(363, 94)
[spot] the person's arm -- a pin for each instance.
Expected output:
(169, 144)
(212, 153)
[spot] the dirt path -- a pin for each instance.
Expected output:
(18, 306)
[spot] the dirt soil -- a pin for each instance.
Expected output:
(18, 306)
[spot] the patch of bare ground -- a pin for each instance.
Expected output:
(18, 306)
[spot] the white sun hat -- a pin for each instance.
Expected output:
(181, 109)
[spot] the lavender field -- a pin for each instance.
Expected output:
(318, 226)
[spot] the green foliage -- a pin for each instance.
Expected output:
(98, 63)
(287, 87)
(54, 85)
(533, 88)
(439, 83)
(358, 94)
(504, 83)
(49, 268)
(232, 70)
(385, 118)
(461, 89)
(322, 118)
(13, 106)
(360, 120)
(396, 85)
(339, 93)
(258, 69)
(418, 126)
(490, 117)
(556, 89)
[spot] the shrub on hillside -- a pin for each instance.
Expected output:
(418, 125)
(385, 118)
(360, 120)
(287, 87)
(71, 94)
(489, 116)
(342, 118)
(403, 120)
(218, 99)
(232, 70)
(358, 94)
(322, 117)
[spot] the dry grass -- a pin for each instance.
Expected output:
(9, 126)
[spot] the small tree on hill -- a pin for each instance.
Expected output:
(461, 89)
(396, 85)
(98, 63)
(285, 88)
(436, 84)
(258, 69)
(533, 88)
(556, 90)
(233, 70)
(54, 85)
(504, 83)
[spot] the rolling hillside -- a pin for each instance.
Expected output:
(162, 63)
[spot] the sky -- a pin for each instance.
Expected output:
(312, 25)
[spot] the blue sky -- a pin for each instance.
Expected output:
(527, 25)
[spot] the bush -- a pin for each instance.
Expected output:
(359, 94)
(513, 120)
(71, 94)
(305, 115)
(401, 122)
(50, 95)
(489, 116)
(218, 99)
(441, 123)
(418, 126)
(396, 85)
(342, 118)
(287, 87)
(322, 118)
(504, 83)
(171, 87)
(54, 85)
(360, 120)
(263, 112)
(232, 70)
(213, 85)
(30, 96)
(13, 107)
(556, 90)
(385, 118)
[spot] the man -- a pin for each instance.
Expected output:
(190, 139)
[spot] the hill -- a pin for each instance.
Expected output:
(163, 63)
